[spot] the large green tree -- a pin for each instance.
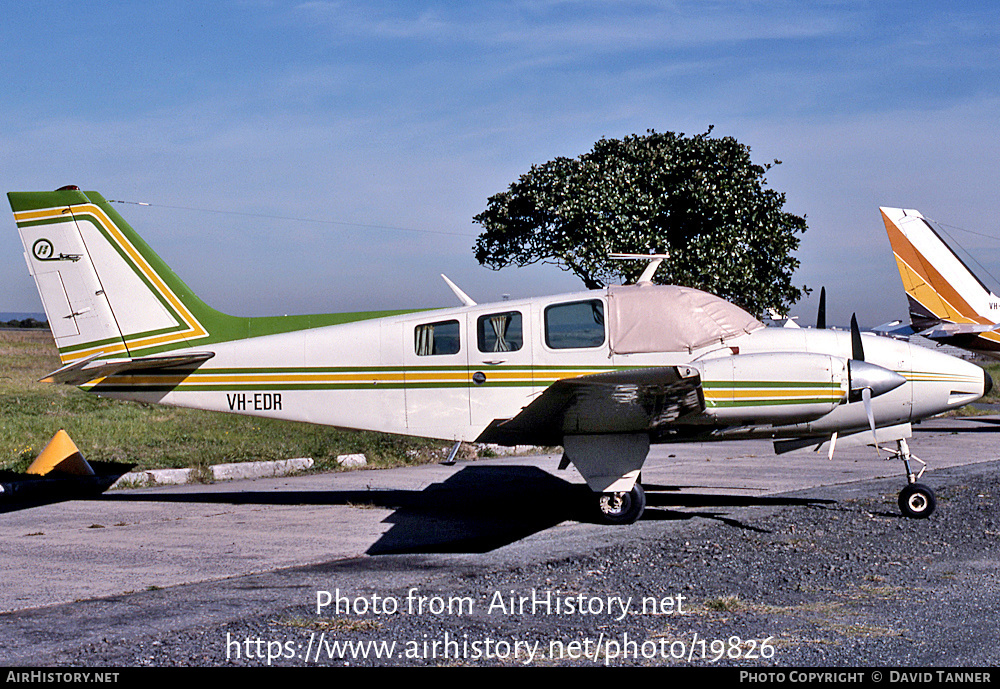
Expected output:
(699, 199)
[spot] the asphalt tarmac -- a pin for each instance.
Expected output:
(237, 572)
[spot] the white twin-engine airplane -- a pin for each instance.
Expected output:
(603, 373)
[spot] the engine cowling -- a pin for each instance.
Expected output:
(782, 388)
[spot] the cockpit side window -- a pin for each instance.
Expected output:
(431, 339)
(575, 325)
(500, 332)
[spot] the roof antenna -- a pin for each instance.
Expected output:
(654, 262)
(462, 296)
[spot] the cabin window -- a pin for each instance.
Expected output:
(500, 332)
(437, 338)
(575, 325)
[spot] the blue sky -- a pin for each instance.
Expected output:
(394, 122)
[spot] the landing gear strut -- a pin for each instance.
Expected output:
(916, 501)
(622, 508)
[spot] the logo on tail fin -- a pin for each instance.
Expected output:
(97, 280)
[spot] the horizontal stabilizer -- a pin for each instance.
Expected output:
(92, 368)
(952, 329)
(939, 331)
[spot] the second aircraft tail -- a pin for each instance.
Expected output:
(946, 299)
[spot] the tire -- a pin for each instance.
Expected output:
(622, 508)
(917, 501)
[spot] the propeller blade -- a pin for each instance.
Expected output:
(821, 314)
(866, 397)
(833, 445)
(857, 349)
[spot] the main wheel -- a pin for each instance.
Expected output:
(917, 501)
(622, 508)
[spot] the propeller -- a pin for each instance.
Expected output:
(867, 380)
(866, 397)
(821, 314)
(857, 349)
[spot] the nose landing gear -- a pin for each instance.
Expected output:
(916, 500)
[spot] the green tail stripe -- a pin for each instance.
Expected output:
(221, 327)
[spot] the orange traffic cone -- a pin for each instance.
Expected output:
(61, 454)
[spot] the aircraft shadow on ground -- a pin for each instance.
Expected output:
(22, 491)
(477, 509)
(671, 496)
(659, 500)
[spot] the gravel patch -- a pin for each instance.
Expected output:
(828, 577)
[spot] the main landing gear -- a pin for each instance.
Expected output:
(622, 508)
(916, 501)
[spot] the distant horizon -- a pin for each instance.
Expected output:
(21, 316)
(41, 317)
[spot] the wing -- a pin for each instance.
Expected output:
(628, 401)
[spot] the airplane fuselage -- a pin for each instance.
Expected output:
(441, 374)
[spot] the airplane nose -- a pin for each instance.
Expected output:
(987, 383)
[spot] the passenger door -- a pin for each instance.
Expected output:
(436, 377)
(500, 364)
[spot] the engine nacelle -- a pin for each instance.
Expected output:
(773, 388)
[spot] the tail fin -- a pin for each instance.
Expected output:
(939, 286)
(106, 294)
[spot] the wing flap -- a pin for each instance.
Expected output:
(628, 401)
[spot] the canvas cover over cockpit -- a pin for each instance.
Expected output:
(668, 318)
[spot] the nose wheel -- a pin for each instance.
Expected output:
(916, 501)
(622, 508)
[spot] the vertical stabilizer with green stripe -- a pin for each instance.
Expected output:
(106, 294)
